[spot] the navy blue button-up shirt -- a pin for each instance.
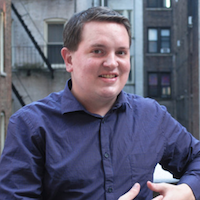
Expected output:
(55, 149)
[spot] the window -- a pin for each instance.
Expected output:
(100, 2)
(2, 129)
(159, 3)
(159, 85)
(159, 40)
(104, 2)
(1, 44)
(54, 42)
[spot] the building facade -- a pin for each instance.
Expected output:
(5, 68)
(159, 52)
(171, 58)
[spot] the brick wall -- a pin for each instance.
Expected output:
(5, 78)
(181, 62)
(194, 68)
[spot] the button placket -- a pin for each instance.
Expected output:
(106, 159)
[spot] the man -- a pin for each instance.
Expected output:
(92, 141)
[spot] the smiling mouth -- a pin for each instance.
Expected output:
(108, 76)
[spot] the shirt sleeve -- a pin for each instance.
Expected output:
(22, 161)
(182, 154)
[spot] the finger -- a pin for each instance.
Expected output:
(156, 187)
(132, 193)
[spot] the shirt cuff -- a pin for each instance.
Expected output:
(193, 182)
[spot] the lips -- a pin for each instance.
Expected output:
(108, 76)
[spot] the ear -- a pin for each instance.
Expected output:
(67, 57)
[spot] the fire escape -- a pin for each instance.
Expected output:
(44, 58)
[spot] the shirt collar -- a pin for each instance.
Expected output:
(70, 104)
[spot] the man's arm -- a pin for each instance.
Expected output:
(21, 164)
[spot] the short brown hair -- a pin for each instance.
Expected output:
(73, 29)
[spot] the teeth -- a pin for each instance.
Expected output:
(108, 76)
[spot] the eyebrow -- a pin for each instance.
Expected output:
(103, 46)
(98, 45)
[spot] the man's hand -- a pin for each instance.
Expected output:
(166, 191)
(170, 192)
(132, 193)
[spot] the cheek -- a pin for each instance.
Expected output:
(86, 68)
(125, 67)
(92, 66)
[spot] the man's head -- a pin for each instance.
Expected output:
(73, 30)
(97, 54)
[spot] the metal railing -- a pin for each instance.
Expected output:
(27, 57)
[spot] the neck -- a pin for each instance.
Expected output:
(100, 109)
(98, 106)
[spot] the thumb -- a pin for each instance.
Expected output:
(132, 193)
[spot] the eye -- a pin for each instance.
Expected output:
(122, 53)
(97, 51)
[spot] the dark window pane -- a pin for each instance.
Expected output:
(54, 55)
(165, 79)
(165, 43)
(152, 3)
(153, 79)
(55, 43)
(159, 85)
(153, 47)
(153, 91)
(55, 32)
(165, 86)
(165, 38)
(153, 85)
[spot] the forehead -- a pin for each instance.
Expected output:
(101, 29)
(98, 24)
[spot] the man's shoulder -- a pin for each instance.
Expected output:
(49, 104)
(143, 103)
(137, 99)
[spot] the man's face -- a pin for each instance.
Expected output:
(101, 64)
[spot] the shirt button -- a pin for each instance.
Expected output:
(106, 155)
(110, 190)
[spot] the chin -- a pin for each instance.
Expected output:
(110, 94)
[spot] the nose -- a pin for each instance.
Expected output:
(110, 61)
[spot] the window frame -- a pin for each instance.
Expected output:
(160, 49)
(2, 130)
(47, 22)
(160, 86)
(2, 67)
